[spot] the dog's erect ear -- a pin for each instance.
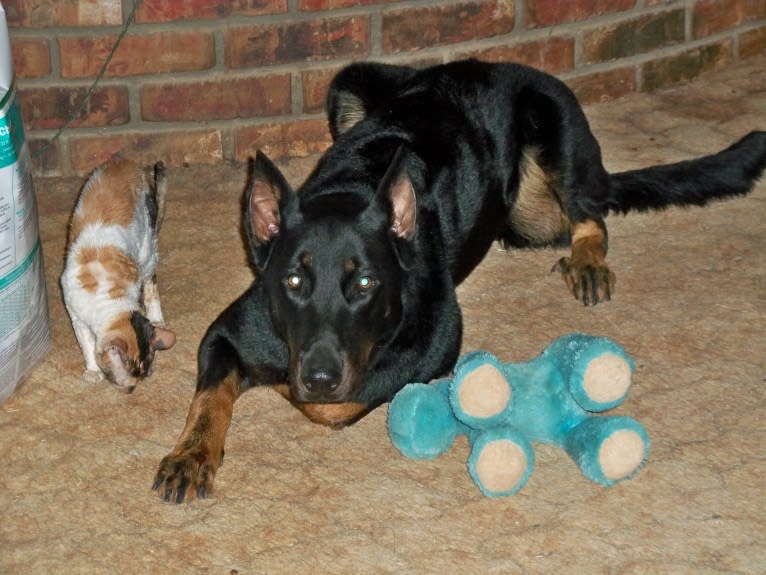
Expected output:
(267, 196)
(395, 204)
(267, 186)
(398, 194)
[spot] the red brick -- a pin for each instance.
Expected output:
(169, 11)
(43, 13)
(415, 28)
(549, 12)
(50, 108)
(554, 55)
(685, 66)
(46, 157)
(752, 43)
(296, 139)
(31, 57)
(296, 42)
(316, 5)
(603, 86)
(713, 16)
(82, 57)
(223, 100)
(315, 84)
(635, 36)
(177, 148)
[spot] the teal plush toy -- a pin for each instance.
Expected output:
(502, 408)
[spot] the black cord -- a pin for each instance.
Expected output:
(76, 113)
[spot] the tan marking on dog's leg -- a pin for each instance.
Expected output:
(189, 470)
(586, 274)
(537, 214)
(283, 390)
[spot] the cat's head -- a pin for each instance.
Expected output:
(126, 352)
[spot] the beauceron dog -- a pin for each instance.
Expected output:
(356, 273)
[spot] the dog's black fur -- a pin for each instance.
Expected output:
(355, 294)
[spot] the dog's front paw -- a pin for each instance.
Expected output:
(183, 476)
(589, 282)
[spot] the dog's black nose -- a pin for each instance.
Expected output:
(321, 380)
(321, 370)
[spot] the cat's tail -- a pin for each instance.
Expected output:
(159, 189)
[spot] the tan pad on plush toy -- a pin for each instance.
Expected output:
(501, 465)
(484, 392)
(607, 378)
(620, 454)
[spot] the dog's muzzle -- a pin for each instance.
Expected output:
(322, 374)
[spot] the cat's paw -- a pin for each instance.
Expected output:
(90, 376)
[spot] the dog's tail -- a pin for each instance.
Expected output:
(730, 172)
(359, 89)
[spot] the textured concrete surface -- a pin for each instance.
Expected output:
(292, 497)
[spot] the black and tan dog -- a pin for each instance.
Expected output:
(355, 294)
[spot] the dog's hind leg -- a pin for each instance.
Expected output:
(552, 124)
(586, 274)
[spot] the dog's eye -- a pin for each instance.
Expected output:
(366, 283)
(294, 281)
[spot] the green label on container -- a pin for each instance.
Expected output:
(11, 133)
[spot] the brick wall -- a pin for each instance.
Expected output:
(203, 81)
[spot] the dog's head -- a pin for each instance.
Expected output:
(333, 265)
(126, 352)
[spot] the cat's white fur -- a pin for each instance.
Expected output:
(93, 308)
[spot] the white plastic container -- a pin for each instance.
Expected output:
(24, 328)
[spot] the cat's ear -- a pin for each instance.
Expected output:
(163, 338)
(268, 198)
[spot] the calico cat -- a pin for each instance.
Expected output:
(109, 282)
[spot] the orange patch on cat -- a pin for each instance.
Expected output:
(109, 196)
(107, 264)
(121, 326)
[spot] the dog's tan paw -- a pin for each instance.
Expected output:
(182, 477)
(590, 283)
